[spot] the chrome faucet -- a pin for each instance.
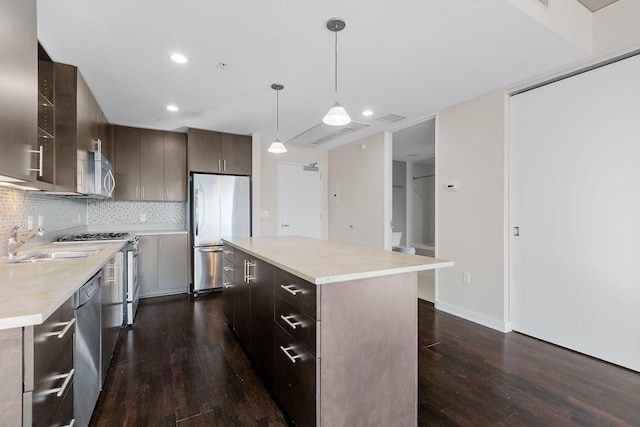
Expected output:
(13, 244)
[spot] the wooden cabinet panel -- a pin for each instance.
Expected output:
(46, 125)
(236, 154)
(19, 71)
(228, 285)
(148, 265)
(127, 163)
(77, 129)
(151, 165)
(204, 151)
(163, 264)
(295, 382)
(173, 267)
(175, 166)
(216, 152)
(262, 326)
(243, 300)
(105, 135)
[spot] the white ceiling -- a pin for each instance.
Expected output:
(408, 57)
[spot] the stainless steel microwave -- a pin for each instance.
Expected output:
(102, 183)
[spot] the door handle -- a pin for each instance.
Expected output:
(285, 225)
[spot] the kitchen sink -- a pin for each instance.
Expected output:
(55, 256)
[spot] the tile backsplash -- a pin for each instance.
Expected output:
(62, 213)
(58, 213)
(101, 212)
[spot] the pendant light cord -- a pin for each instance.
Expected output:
(336, 65)
(277, 114)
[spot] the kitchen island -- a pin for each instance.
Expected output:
(331, 328)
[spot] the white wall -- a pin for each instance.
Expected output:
(265, 182)
(359, 192)
(616, 27)
(471, 223)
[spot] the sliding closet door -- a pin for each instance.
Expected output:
(575, 200)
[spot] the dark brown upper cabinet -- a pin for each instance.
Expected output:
(19, 94)
(217, 152)
(80, 127)
(150, 165)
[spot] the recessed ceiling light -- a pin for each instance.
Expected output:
(172, 108)
(367, 113)
(180, 59)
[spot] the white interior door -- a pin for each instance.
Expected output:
(575, 181)
(299, 201)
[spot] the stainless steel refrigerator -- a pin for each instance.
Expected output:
(220, 208)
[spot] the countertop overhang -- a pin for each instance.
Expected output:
(31, 292)
(323, 261)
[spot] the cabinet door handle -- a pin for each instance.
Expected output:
(291, 289)
(39, 152)
(227, 268)
(224, 165)
(248, 277)
(68, 326)
(293, 358)
(226, 285)
(219, 165)
(71, 424)
(143, 192)
(227, 252)
(67, 379)
(288, 319)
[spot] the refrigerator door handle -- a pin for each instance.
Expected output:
(196, 200)
(216, 249)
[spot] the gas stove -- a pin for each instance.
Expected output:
(91, 237)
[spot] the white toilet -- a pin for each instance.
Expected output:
(396, 236)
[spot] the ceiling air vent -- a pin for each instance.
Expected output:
(321, 134)
(391, 118)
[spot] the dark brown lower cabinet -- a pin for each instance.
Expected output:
(262, 326)
(295, 379)
(229, 285)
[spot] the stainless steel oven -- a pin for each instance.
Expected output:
(130, 291)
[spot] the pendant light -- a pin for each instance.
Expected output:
(276, 146)
(337, 116)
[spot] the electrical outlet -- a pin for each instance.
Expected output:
(466, 278)
(40, 220)
(143, 217)
(79, 218)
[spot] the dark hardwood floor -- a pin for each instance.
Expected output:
(180, 365)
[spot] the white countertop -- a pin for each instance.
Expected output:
(31, 292)
(323, 261)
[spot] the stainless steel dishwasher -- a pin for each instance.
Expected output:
(87, 349)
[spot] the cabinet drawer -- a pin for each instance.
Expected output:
(50, 340)
(297, 324)
(64, 414)
(229, 253)
(50, 389)
(295, 379)
(298, 292)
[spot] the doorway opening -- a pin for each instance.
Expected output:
(413, 196)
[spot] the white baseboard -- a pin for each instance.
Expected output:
(474, 317)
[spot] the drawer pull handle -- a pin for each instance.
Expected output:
(293, 358)
(291, 289)
(226, 285)
(227, 268)
(293, 324)
(64, 330)
(67, 379)
(71, 424)
(227, 252)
